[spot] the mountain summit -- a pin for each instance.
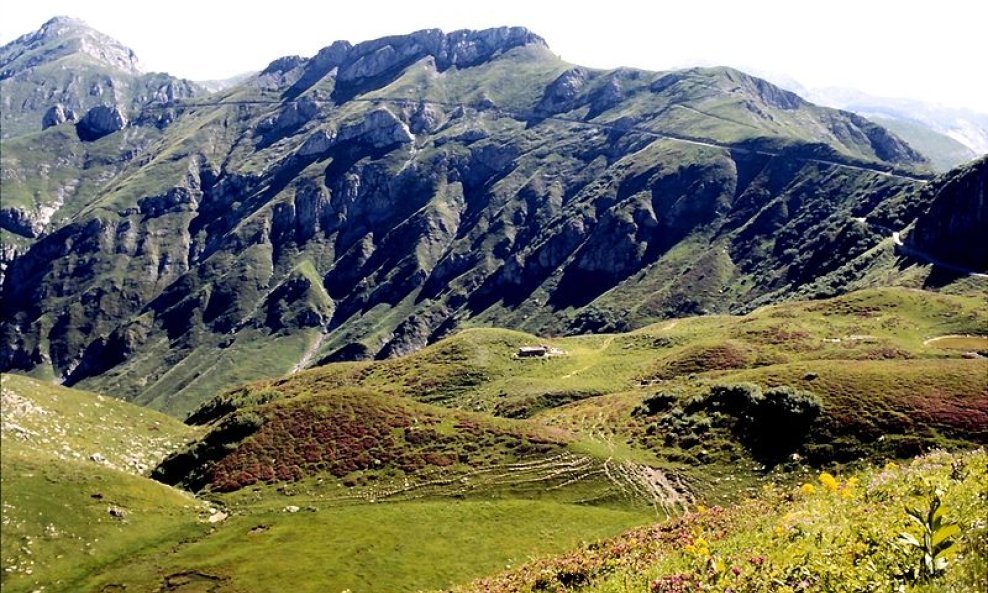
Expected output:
(65, 37)
(59, 72)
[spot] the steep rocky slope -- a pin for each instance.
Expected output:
(953, 228)
(74, 83)
(368, 200)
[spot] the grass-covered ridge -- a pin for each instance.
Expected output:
(885, 384)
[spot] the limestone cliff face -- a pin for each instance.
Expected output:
(954, 227)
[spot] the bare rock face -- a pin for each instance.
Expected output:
(289, 118)
(426, 118)
(459, 48)
(61, 36)
(952, 230)
(20, 222)
(100, 121)
(561, 94)
(380, 128)
(373, 60)
(317, 143)
(57, 115)
(886, 145)
(281, 72)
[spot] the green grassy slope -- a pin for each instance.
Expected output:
(317, 470)
(385, 547)
(69, 458)
(75, 523)
(477, 368)
(74, 425)
(884, 385)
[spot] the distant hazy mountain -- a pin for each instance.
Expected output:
(968, 127)
(215, 86)
(943, 151)
(947, 136)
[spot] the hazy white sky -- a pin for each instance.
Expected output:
(931, 50)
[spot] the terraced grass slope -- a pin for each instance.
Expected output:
(75, 496)
(342, 432)
(79, 515)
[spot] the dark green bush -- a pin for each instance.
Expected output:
(771, 424)
(653, 404)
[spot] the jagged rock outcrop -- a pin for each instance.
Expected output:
(317, 143)
(62, 36)
(379, 128)
(562, 93)
(20, 222)
(290, 117)
(57, 115)
(887, 145)
(459, 48)
(100, 121)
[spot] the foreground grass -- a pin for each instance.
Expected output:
(834, 534)
(381, 548)
(68, 458)
(57, 525)
(69, 424)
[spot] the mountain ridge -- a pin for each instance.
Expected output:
(366, 201)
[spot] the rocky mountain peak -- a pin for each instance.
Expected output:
(461, 48)
(61, 37)
(372, 61)
(60, 25)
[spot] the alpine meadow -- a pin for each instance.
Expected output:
(443, 312)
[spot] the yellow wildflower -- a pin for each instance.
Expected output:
(847, 491)
(829, 482)
(699, 548)
(891, 466)
(700, 509)
(807, 489)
